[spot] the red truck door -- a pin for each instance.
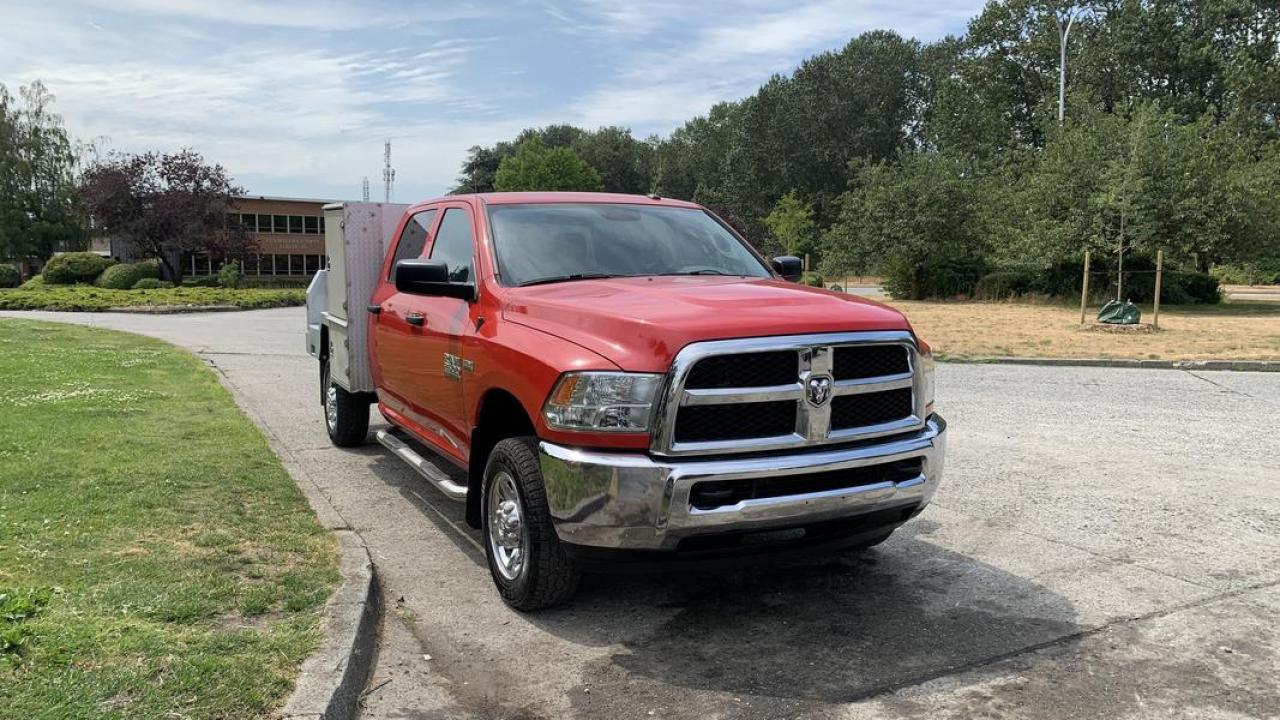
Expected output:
(420, 350)
(393, 331)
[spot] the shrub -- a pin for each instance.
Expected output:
(230, 275)
(812, 279)
(90, 299)
(1261, 272)
(35, 282)
(150, 283)
(9, 276)
(1199, 288)
(202, 281)
(932, 277)
(126, 275)
(75, 267)
(1003, 284)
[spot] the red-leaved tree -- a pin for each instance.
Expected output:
(166, 204)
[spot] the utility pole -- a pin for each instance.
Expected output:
(388, 172)
(365, 189)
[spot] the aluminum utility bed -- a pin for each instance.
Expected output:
(356, 239)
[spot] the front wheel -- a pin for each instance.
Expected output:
(528, 565)
(346, 415)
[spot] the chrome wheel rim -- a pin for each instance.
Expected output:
(331, 407)
(508, 537)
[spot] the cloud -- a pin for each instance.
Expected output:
(303, 14)
(729, 59)
(296, 98)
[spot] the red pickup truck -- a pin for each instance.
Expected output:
(610, 378)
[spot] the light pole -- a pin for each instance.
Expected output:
(1066, 18)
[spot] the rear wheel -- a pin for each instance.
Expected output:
(529, 567)
(346, 415)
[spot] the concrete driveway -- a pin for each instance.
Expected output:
(1106, 543)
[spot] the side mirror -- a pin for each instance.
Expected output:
(788, 266)
(425, 277)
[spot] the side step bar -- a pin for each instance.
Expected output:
(425, 467)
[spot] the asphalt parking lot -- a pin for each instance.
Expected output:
(1106, 543)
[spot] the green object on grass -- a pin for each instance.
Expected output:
(1119, 313)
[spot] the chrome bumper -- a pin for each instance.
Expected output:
(637, 502)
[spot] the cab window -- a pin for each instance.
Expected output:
(412, 239)
(453, 243)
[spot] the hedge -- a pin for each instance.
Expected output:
(9, 276)
(74, 267)
(127, 275)
(86, 298)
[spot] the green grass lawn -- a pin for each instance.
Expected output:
(93, 299)
(156, 561)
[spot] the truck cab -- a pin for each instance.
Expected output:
(606, 379)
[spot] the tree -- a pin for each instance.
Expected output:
(791, 224)
(917, 221)
(39, 213)
(538, 167)
(624, 163)
(166, 204)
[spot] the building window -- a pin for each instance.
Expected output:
(321, 224)
(264, 223)
(295, 224)
(311, 224)
(280, 223)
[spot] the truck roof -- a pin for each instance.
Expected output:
(511, 198)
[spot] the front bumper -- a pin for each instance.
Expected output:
(631, 501)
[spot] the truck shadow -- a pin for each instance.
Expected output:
(822, 628)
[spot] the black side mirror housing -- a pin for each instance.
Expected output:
(426, 277)
(788, 266)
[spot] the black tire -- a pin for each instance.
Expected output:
(346, 415)
(546, 575)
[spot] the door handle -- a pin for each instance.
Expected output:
(374, 309)
(415, 319)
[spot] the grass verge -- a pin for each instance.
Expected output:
(155, 558)
(1227, 331)
(87, 298)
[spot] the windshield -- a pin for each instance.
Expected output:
(556, 242)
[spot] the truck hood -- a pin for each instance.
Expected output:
(641, 323)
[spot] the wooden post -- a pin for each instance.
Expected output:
(1084, 290)
(1155, 316)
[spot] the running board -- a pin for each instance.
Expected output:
(425, 467)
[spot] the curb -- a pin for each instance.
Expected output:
(1214, 365)
(332, 679)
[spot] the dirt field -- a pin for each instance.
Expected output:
(1235, 331)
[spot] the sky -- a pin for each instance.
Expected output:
(297, 98)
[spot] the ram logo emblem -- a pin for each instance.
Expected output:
(818, 390)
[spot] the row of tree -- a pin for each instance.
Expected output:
(895, 155)
(55, 192)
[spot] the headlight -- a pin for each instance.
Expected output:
(926, 377)
(602, 401)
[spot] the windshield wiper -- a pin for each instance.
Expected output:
(701, 271)
(572, 276)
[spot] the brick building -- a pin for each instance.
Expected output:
(288, 234)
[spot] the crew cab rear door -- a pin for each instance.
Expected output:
(425, 369)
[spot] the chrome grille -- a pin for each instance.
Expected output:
(735, 396)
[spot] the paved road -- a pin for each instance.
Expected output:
(1106, 543)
